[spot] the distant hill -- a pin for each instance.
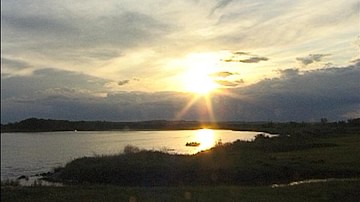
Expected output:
(42, 125)
(47, 125)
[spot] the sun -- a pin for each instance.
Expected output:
(197, 70)
(199, 83)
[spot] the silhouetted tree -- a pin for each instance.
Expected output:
(324, 120)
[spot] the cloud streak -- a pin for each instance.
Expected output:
(220, 4)
(226, 83)
(245, 57)
(255, 59)
(223, 74)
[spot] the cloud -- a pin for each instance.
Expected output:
(14, 63)
(101, 54)
(61, 34)
(42, 80)
(113, 39)
(220, 4)
(255, 59)
(311, 58)
(127, 81)
(15, 67)
(245, 57)
(226, 83)
(223, 74)
(289, 73)
(356, 60)
(241, 53)
(92, 36)
(222, 78)
(294, 96)
(123, 82)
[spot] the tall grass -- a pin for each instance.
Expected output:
(10, 182)
(261, 162)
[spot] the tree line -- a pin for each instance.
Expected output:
(48, 125)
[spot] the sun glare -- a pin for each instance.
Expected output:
(206, 138)
(199, 84)
(197, 75)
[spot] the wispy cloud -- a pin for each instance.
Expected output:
(356, 61)
(245, 57)
(220, 4)
(241, 53)
(227, 83)
(254, 59)
(223, 74)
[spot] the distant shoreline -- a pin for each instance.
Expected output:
(49, 125)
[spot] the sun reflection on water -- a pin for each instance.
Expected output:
(206, 138)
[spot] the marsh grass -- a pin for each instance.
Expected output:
(327, 191)
(10, 182)
(263, 161)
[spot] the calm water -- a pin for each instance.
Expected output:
(34, 153)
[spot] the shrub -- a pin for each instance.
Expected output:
(130, 149)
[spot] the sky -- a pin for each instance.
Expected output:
(214, 60)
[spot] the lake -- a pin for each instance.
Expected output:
(33, 153)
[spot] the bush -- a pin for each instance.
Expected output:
(130, 149)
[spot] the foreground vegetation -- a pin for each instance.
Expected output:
(239, 171)
(264, 161)
(329, 191)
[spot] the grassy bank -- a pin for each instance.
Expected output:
(264, 161)
(328, 191)
(239, 171)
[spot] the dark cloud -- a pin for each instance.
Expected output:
(294, 96)
(123, 82)
(245, 57)
(289, 73)
(241, 53)
(43, 80)
(36, 25)
(311, 58)
(255, 59)
(127, 81)
(14, 63)
(328, 92)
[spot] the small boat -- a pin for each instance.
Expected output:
(192, 144)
